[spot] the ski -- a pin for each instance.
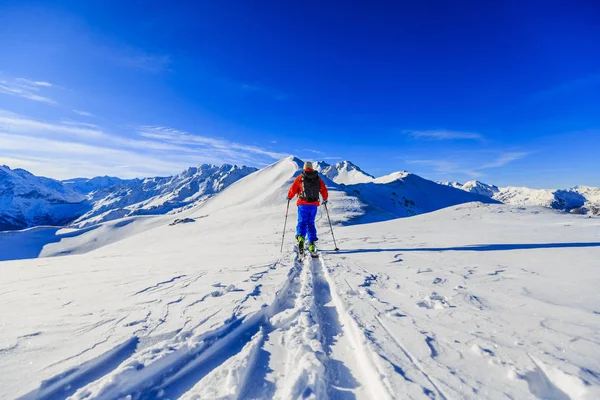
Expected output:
(299, 253)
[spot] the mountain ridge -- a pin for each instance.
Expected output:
(577, 199)
(27, 200)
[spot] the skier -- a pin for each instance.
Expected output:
(307, 186)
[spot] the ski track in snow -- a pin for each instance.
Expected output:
(324, 352)
(313, 341)
(310, 342)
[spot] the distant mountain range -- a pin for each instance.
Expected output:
(27, 200)
(151, 196)
(577, 200)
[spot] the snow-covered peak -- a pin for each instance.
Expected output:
(454, 184)
(27, 200)
(592, 194)
(394, 176)
(321, 166)
(579, 198)
(291, 159)
(344, 172)
(22, 183)
(161, 195)
(480, 188)
(89, 185)
(557, 199)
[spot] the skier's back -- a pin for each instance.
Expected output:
(307, 186)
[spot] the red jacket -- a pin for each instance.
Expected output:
(296, 189)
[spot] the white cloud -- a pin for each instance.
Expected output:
(29, 82)
(10, 122)
(317, 152)
(443, 134)
(73, 148)
(80, 131)
(66, 159)
(504, 159)
(83, 113)
(25, 91)
(234, 150)
(79, 123)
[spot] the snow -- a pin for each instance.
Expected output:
(160, 195)
(394, 176)
(27, 200)
(470, 301)
(86, 186)
(480, 188)
(405, 194)
(344, 173)
(580, 199)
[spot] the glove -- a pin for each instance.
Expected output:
(324, 202)
(288, 198)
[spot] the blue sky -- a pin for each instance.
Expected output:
(504, 92)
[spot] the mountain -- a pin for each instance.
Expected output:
(86, 185)
(454, 184)
(28, 200)
(473, 301)
(480, 188)
(116, 212)
(579, 200)
(160, 195)
(405, 194)
(343, 172)
(87, 202)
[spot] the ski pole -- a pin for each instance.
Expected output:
(284, 225)
(331, 226)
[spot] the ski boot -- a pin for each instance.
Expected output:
(312, 249)
(301, 242)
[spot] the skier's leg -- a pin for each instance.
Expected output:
(312, 229)
(302, 221)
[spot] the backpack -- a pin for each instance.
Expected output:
(311, 186)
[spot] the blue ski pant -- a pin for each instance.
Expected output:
(306, 222)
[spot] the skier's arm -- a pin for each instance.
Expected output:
(294, 189)
(324, 192)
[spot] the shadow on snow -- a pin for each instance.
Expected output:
(474, 247)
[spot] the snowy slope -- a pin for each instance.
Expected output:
(89, 185)
(480, 188)
(453, 184)
(400, 194)
(343, 172)
(397, 195)
(581, 199)
(28, 200)
(160, 195)
(557, 199)
(592, 199)
(404, 194)
(465, 302)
